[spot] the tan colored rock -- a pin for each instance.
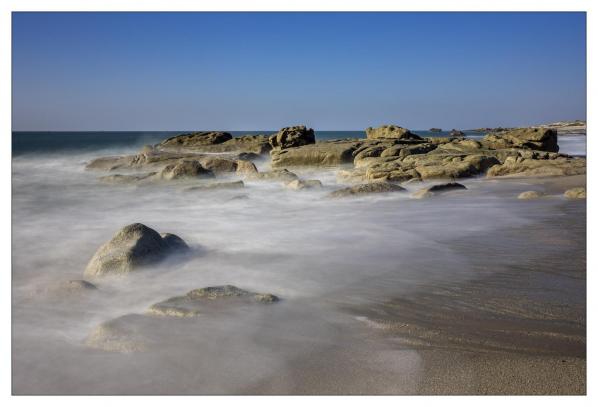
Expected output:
(437, 189)
(217, 186)
(544, 139)
(122, 334)
(304, 184)
(366, 189)
(325, 154)
(246, 167)
(283, 175)
(294, 136)
(390, 131)
(576, 193)
(526, 167)
(530, 195)
(184, 169)
(195, 139)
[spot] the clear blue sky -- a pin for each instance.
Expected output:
(263, 71)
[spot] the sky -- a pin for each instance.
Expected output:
(264, 71)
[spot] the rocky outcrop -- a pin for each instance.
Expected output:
(295, 136)
(576, 193)
(196, 301)
(195, 139)
(390, 132)
(437, 190)
(327, 153)
(297, 184)
(532, 167)
(184, 169)
(366, 189)
(132, 247)
(251, 144)
(542, 139)
(530, 195)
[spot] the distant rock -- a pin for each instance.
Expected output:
(295, 136)
(304, 184)
(543, 139)
(530, 195)
(437, 189)
(435, 130)
(390, 131)
(195, 302)
(196, 139)
(366, 189)
(132, 247)
(456, 133)
(576, 193)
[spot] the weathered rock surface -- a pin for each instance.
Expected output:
(295, 136)
(543, 139)
(283, 175)
(437, 190)
(304, 184)
(196, 301)
(246, 167)
(524, 167)
(132, 247)
(530, 195)
(217, 186)
(390, 131)
(196, 139)
(366, 189)
(576, 193)
(184, 169)
(326, 153)
(218, 165)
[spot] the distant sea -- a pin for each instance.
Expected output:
(26, 142)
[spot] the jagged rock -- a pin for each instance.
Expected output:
(327, 153)
(122, 334)
(543, 139)
(196, 301)
(390, 131)
(437, 189)
(295, 136)
(523, 167)
(365, 189)
(133, 246)
(530, 195)
(184, 169)
(304, 184)
(217, 186)
(576, 193)
(196, 139)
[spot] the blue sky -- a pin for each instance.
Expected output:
(263, 71)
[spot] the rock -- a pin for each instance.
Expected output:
(456, 133)
(196, 139)
(327, 153)
(390, 131)
(126, 179)
(525, 167)
(196, 301)
(245, 167)
(365, 189)
(283, 175)
(304, 184)
(543, 139)
(435, 130)
(146, 159)
(295, 136)
(122, 334)
(218, 165)
(184, 169)
(530, 195)
(132, 247)
(217, 186)
(576, 193)
(402, 150)
(437, 189)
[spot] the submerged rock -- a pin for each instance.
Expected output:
(126, 179)
(304, 184)
(122, 334)
(133, 246)
(437, 189)
(64, 289)
(194, 302)
(217, 186)
(576, 193)
(366, 189)
(295, 136)
(390, 131)
(530, 195)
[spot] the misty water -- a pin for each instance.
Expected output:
(318, 255)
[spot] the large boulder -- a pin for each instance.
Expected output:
(526, 167)
(543, 139)
(196, 139)
(196, 301)
(184, 169)
(327, 153)
(132, 247)
(295, 136)
(366, 189)
(390, 132)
